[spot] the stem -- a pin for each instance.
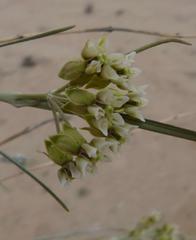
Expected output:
(167, 129)
(35, 179)
(159, 42)
(29, 37)
(25, 100)
(40, 101)
(111, 29)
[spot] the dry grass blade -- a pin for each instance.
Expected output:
(29, 37)
(36, 180)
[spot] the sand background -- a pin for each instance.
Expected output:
(152, 171)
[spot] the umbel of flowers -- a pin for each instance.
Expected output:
(100, 90)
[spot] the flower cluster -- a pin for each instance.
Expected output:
(112, 97)
(153, 227)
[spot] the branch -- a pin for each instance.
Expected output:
(35, 179)
(25, 131)
(130, 30)
(30, 37)
(159, 42)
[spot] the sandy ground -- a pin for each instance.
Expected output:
(152, 171)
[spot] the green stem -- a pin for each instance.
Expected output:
(25, 100)
(40, 101)
(159, 42)
(35, 179)
(163, 128)
(29, 37)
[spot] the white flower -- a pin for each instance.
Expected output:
(84, 165)
(93, 67)
(102, 125)
(114, 145)
(103, 146)
(90, 150)
(112, 97)
(135, 113)
(116, 60)
(123, 131)
(96, 111)
(129, 58)
(117, 119)
(109, 73)
(120, 61)
(64, 177)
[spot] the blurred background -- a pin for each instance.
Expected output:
(152, 171)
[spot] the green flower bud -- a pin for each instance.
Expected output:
(97, 82)
(58, 155)
(79, 96)
(73, 134)
(90, 50)
(72, 70)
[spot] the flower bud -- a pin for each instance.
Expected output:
(72, 70)
(79, 96)
(59, 156)
(90, 50)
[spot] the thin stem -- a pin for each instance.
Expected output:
(163, 128)
(35, 179)
(110, 29)
(29, 37)
(25, 131)
(40, 101)
(159, 42)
